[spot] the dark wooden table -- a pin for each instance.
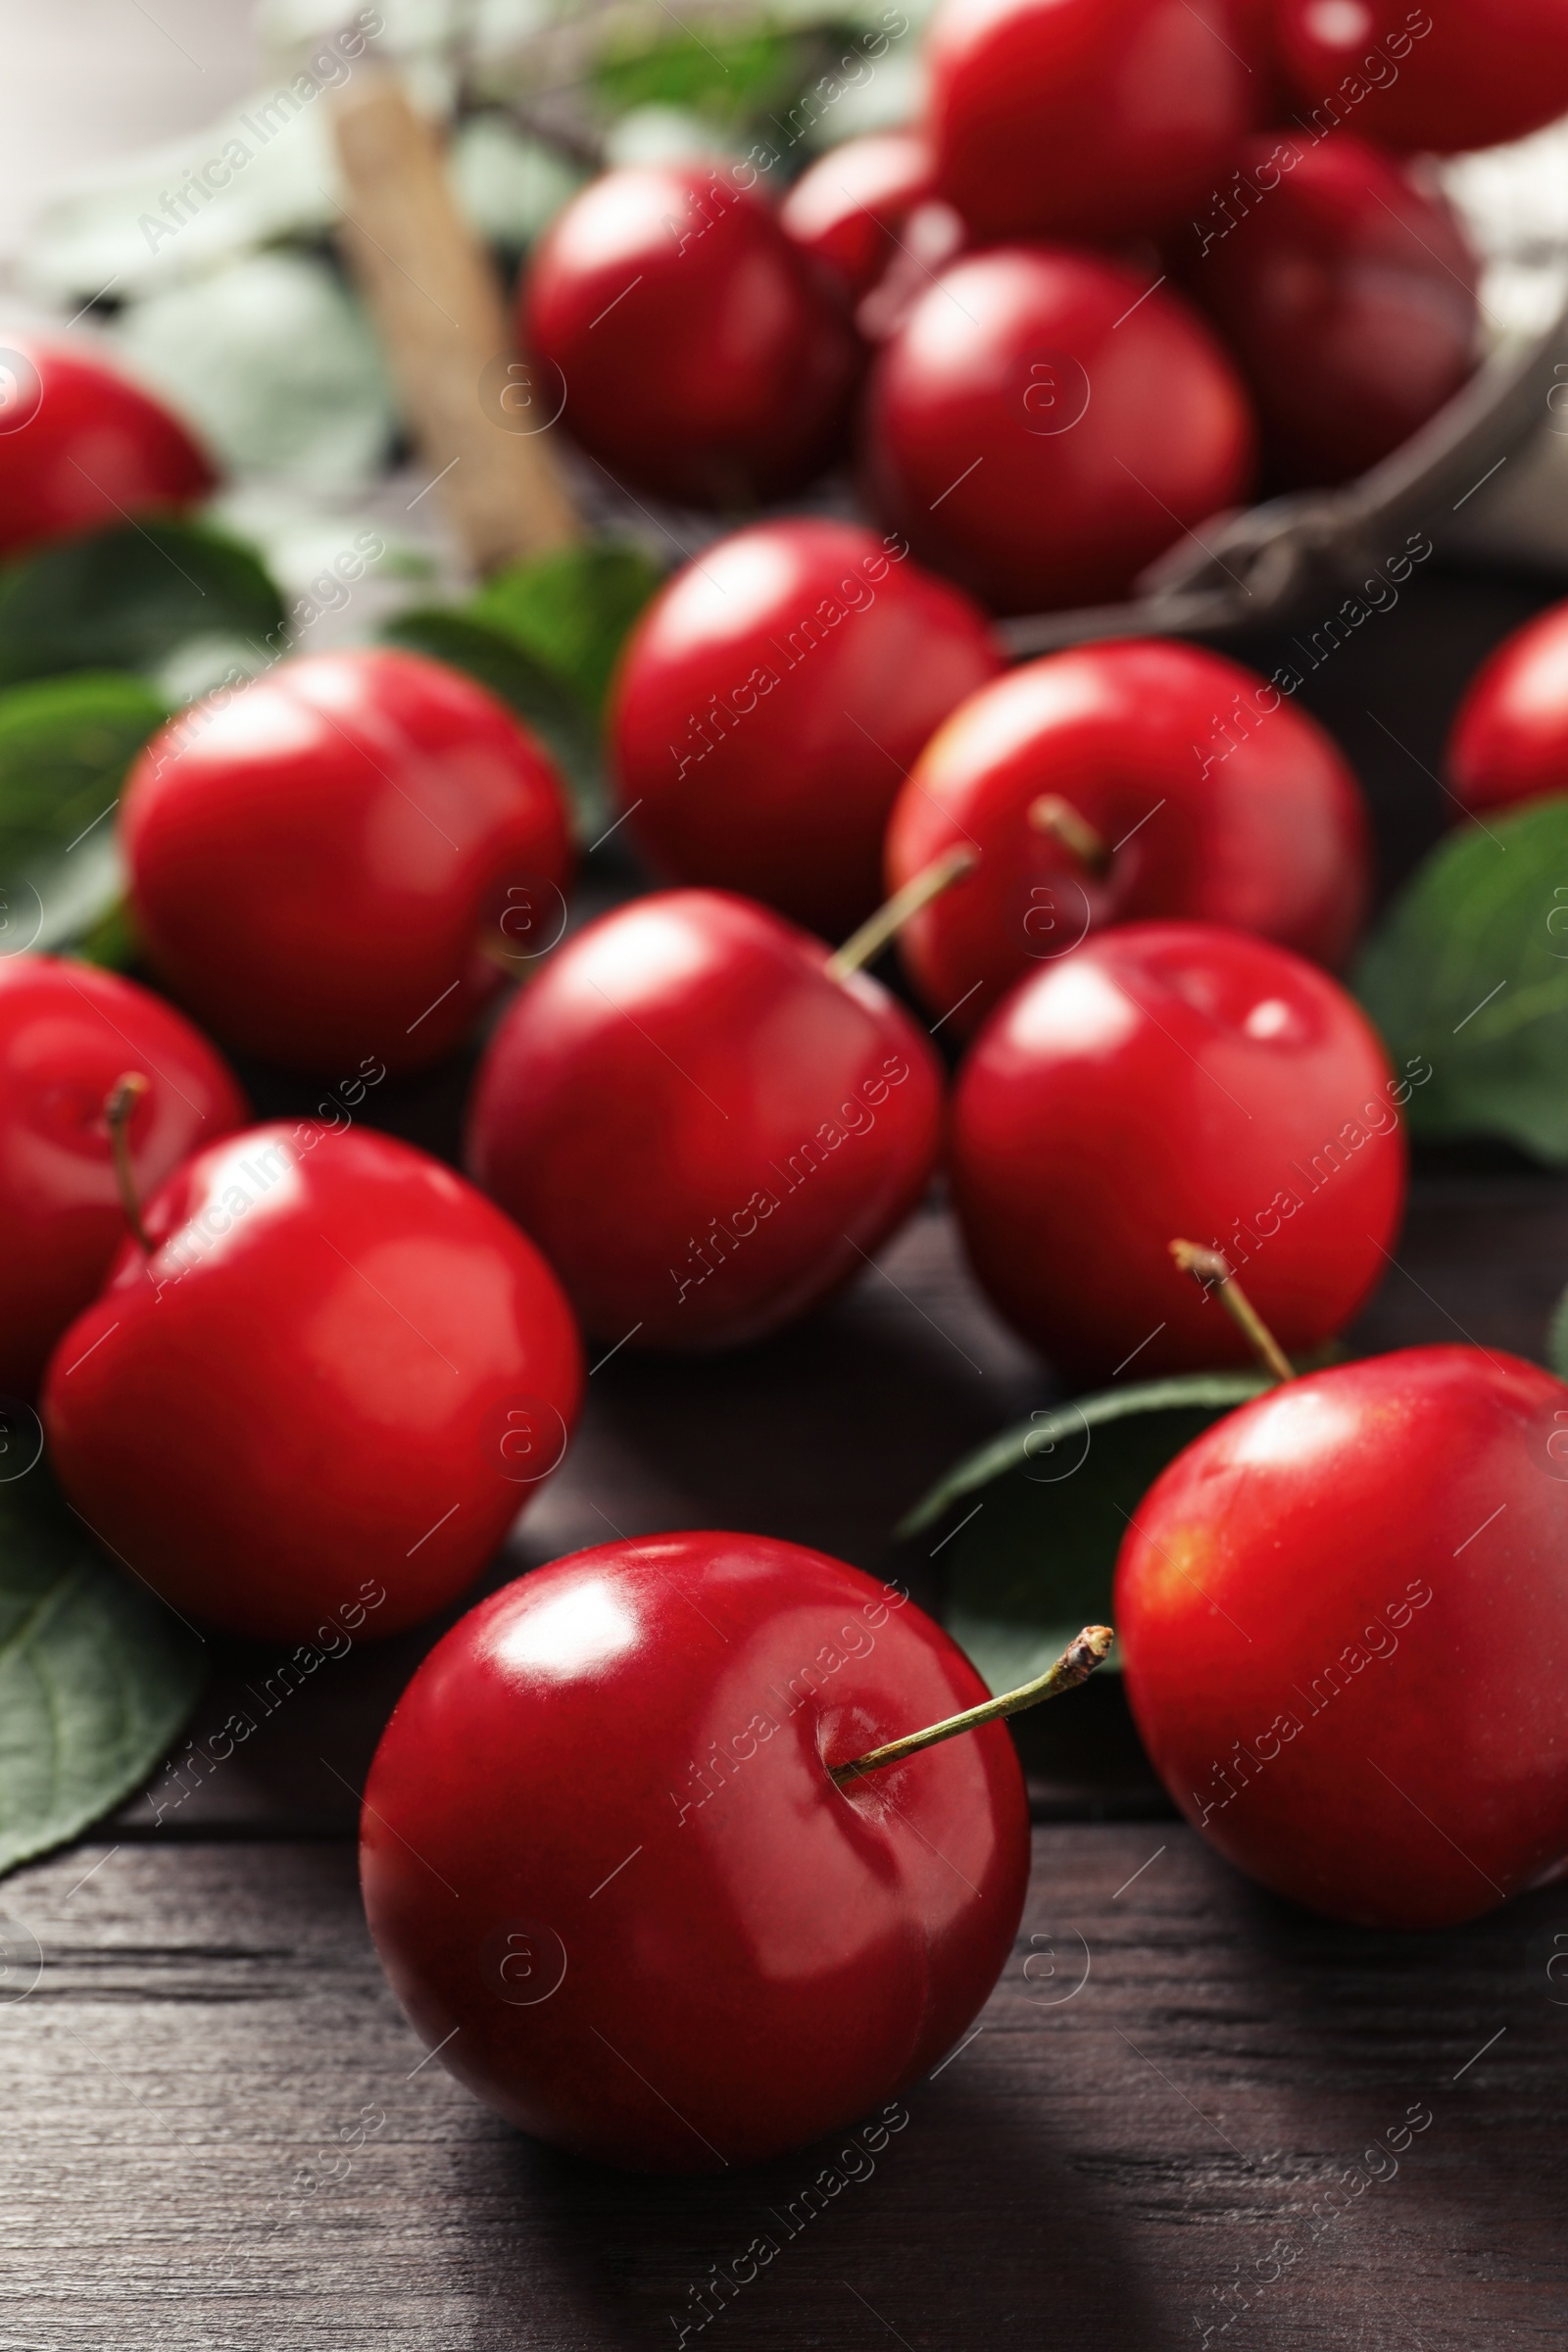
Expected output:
(1160, 2134)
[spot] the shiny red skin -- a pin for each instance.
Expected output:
(743, 1971)
(1272, 1578)
(954, 451)
(67, 1032)
(1270, 836)
(315, 860)
(847, 208)
(1346, 293)
(676, 1068)
(770, 701)
(94, 447)
(1258, 43)
(1482, 72)
(1118, 1101)
(706, 358)
(1084, 118)
(1510, 740)
(357, 1379)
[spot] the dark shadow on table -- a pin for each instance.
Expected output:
(970, 2232)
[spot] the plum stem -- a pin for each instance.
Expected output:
(1211, 1270)
(1051, 814)
(1075, 1665)
(119, 1109)
(875, 933)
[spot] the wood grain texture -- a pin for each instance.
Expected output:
(1171, 2081)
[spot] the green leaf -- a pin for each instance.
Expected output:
(65, 746)
(1467, 978)
(544, 636)
(96, 1676)
(572, 609)
(538, 694)
(111, 941)
(726, 77)
(509, 185)
(1558, 1338)
(275, 363)
(127, 599)
(1035, 1518)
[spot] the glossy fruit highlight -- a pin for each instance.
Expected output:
(1085, 117)
(341, 860)
(687, 343)
(81, 447)
(770, 703)
(705, 1132)
(1213, 797)
(608, 1875)
(1166, 1081)
(1342, 1616)
(1445, 77)
(338, 1367)
(1346, 292)
(68, 1033)
(1510, 739)
(1044, 423)
(849, 208)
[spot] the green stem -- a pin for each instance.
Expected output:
(1075, 1665)
(860, 949)
(1051, 814)
(119, 1109)
(1210, 1268)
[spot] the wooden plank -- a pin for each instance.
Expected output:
(1174, 2076)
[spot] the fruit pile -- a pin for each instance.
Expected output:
(1137, 258)
(1133, 252)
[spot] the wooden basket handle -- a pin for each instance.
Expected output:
(437, 305)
